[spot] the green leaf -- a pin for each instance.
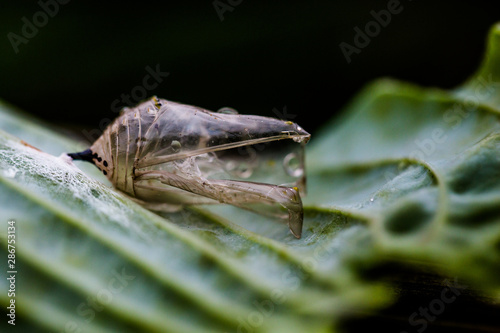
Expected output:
(408, 176)
(420, 167)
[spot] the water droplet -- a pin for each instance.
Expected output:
(402, 165)
(230, 166)
(176, 146)
(293, 166)
(244, 170)
(227, 110)
(300, 139)
(10, 173)
(357, 206)
(372, 199)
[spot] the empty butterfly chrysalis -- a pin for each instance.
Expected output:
(169, 155)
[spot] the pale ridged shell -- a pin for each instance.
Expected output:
(168, 153)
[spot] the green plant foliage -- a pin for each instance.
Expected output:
(408, 176)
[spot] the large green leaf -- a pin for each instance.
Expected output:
(408, 176)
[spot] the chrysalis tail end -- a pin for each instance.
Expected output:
(85, 155)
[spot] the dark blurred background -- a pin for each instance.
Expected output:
(262, 56)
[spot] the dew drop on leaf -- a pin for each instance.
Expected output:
(10, 173)
(244, 170)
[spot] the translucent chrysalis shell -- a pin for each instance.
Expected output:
(169, 155)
